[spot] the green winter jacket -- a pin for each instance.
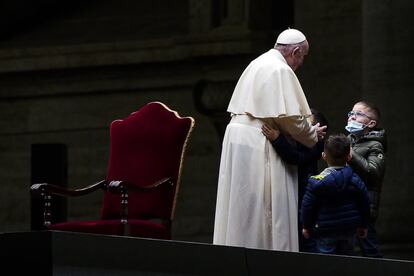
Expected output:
(368, 161)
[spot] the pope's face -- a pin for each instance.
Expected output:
(297, 56)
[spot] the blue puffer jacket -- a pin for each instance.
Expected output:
(335, 200)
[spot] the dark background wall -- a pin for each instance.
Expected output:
(68, 70)
(361, 50)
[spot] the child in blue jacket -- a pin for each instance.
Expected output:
(336, 204)
(307, 161)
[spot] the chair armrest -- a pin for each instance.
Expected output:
(122, 187)
(41, 188)
(117, 186)
(45, 190)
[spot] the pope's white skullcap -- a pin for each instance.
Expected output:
(290, 36)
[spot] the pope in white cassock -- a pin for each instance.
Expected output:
(258, 192)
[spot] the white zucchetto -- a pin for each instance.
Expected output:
(290, 36)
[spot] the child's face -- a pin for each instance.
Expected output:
(362, 114)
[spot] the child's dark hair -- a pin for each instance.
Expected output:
(319, 118)
(337, 148)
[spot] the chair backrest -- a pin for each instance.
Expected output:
(145, 147)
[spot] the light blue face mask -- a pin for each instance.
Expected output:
(355, 127)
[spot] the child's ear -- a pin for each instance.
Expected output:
(372, 124)
(324, 155)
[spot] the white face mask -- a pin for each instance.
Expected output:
(355, 127)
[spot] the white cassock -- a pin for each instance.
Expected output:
(257, 193)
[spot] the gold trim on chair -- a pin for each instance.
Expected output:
(190, 130)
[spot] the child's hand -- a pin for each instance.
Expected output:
(306, 233)
(269, 132)
(362, 232)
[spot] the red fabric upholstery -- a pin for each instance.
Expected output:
(145, 147)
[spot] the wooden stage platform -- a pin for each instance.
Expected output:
(64, 253)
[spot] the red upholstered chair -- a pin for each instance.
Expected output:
(140, 190)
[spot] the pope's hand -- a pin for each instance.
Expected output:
(320, 130)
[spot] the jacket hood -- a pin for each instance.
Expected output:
(377, 134)
(341, 177)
